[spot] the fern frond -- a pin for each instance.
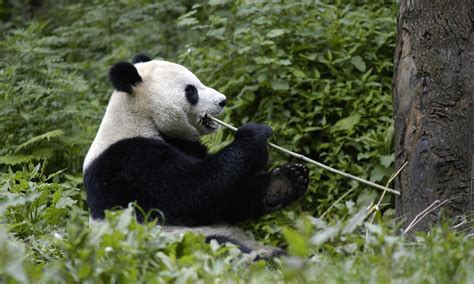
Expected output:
(45, 136)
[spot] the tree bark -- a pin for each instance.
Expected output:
(433, 88)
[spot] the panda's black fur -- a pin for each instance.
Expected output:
(180, 180)
(141, 58)
(191, 94)
(124, 76)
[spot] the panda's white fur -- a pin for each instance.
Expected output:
(160, 105)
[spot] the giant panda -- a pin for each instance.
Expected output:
(147, 151)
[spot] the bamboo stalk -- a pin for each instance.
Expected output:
(306, 159)
(376, 207)
(424, 213)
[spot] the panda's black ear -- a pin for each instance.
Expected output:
(141, 58)
(124, 76)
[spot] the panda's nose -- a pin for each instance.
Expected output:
(222, 103)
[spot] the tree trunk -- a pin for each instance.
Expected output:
(433, 88)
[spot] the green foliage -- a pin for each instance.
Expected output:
(32, 205)
(318, 73)
(45, 237)
(45, 104)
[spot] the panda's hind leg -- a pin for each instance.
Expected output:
(234, 235)
(287, 183)
(246, 244)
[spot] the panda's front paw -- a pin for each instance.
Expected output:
(252, 138)
(288, 182)
(254, 131)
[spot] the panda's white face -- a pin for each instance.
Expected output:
(154, 98)
(176, 99)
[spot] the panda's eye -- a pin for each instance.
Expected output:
(191, 94)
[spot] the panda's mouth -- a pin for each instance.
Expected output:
(208, 123)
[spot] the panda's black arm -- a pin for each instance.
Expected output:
(221, 187)
(218, 185)
(244, 157)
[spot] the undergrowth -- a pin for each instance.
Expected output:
(45, 237)
(318, 72)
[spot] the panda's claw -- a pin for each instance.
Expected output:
(289, 182)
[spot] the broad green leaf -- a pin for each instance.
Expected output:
(187, 20)
(346, 124)
(378, 173)
(359, 63)
(280, 85)
(297, 244)
(276, 33)
(387, 160)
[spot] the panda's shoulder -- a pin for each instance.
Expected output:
(139, 151)
(193, 148)
(137, 143)
(139, 148)
(133, 151)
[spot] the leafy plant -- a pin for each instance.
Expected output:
(42, 102)
(45, 236)
(318, 72)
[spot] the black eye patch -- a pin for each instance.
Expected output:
(191, 94)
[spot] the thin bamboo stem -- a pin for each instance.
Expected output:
(377, 206)
(435, 205)
(306, 159)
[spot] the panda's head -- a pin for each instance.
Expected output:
(169, 95)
